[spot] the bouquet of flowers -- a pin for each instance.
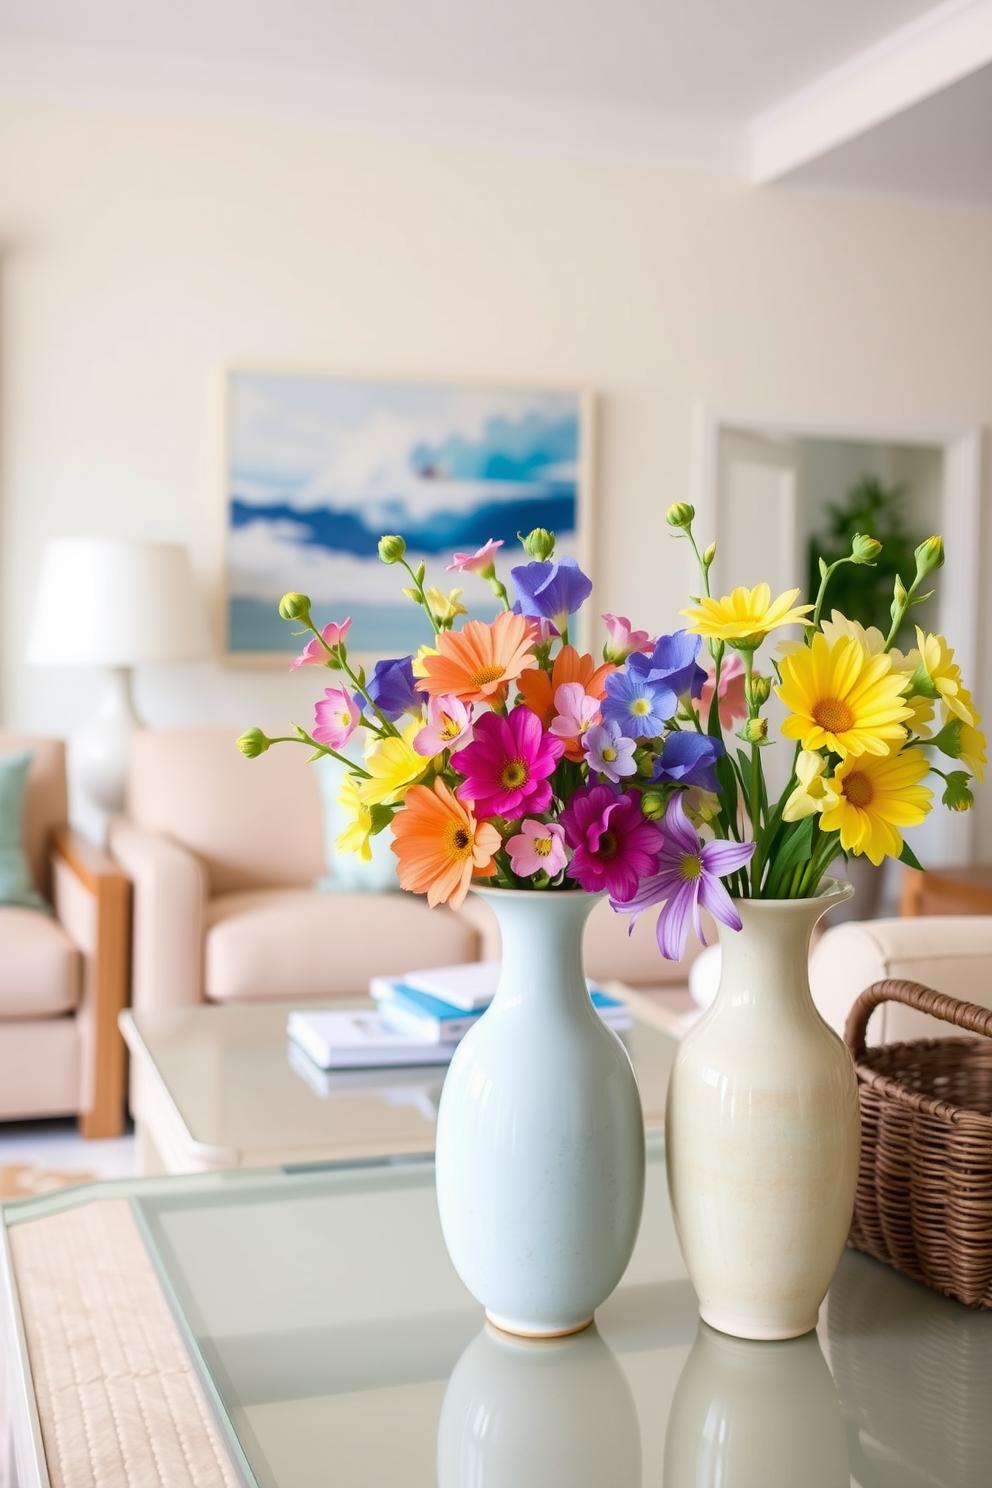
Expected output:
(500, 752)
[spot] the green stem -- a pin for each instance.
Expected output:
(302, 737)
(418, 584)
(755, 789)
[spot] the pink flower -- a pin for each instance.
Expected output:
(448, 726)
(622, 641)
(338, 716)
(614, 847)
(507, 765)
(576, 710)
(539, 848)
(482, 563)
(733, 704)
(314, 654)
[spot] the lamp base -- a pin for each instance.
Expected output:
(100, 750)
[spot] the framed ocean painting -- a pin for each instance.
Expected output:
(319, 467)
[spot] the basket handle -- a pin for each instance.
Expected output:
(915, 995)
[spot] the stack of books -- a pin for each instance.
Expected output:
(418, 1019)
(441, 1005)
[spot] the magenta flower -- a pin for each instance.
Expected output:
(614, 847)
(482, 563)
(449, 725)
(314, 654)
(689, 874)
(507, 765)
(337, 716)
(621, 641)
(609, 752)
(539, 848)
(576, 710)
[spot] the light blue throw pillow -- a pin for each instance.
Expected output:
(346, 873)
(16, 885)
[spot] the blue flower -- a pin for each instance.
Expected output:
(391, 687)
(551, 591)
(640, 708)
(672, 662)
(688, 759)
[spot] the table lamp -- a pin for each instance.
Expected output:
(114, 603)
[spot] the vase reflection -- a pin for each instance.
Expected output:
(755, 1415)
(914, 1375)
(548, 1413)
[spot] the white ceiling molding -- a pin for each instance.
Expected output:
(163, 85)
(913, 63)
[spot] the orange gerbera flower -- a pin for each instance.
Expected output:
(440, 845)
(538, 689)
(476, 662)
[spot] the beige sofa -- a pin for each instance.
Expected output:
(223, 853)
(63, 978)
(952, 953)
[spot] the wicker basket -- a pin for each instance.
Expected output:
(924, 1202)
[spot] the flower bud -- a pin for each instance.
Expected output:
(681, 514)
(391, 549)
(539, 544)
(708, 555)
(253, 743)
(929, 555)
(754, 731)
(294, 606)
(900, 599)
(864, 549)
(761, 689)
(957, 793)
(653, 804)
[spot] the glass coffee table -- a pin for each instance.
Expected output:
(218, 1087)
(303, 1326)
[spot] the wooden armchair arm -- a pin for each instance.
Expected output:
(93, 902)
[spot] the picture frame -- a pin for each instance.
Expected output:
(318, 465)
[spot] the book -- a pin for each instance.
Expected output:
(355, 1039)
(408, 1009)
(469, 986)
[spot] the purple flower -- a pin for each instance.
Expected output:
(609, 752)
(688, 759)
(639, 708)
(551, 591)
(507, 764)
(688, 876)
(391, 687)
(614, 847)
(673, 663)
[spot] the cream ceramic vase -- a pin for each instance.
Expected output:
(540, 1133)
(763, 1131)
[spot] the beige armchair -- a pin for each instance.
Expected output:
(63, 979)
(223, 853)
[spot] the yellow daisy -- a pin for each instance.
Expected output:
(938, 660)
(870, 797)
(446, 606)
(842, 699)
(357, 834)
(393, 765)
(745, 616)
(810, 794)
(419, 667)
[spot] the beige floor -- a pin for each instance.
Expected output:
(36, 1156)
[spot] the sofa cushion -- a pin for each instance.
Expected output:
(40, 969)
(292, 944)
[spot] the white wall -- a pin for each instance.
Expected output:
(141, 256)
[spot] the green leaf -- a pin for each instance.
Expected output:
(908, 857)
(797, 849)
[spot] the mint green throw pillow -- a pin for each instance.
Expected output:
(16, 885)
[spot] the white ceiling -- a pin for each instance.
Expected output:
(683, 81)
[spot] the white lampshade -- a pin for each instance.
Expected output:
(116, 603)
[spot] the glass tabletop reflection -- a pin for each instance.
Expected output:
(338, 1345)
